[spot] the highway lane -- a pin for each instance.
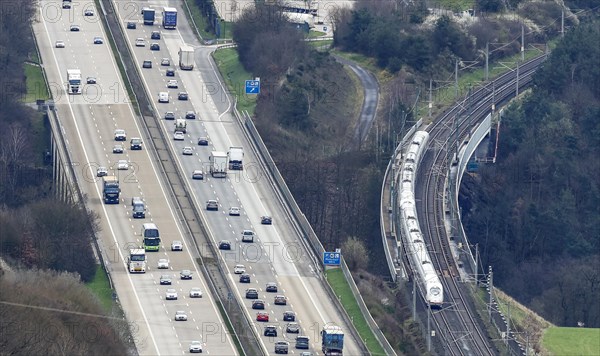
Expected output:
(89, 121)
(282, 258)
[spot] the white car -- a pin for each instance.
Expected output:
(163, 97)
(171, 294)
(187, 151)
(234, 211)
(247, 236)
(195, 293)
(165, 62)
(195, 346)
(172, 84)
(60, 44)
(122, 165)
(180, 315)
(163, 263)
(101, 172)
(89, 12)
(120, 135)
(239, 269)
(139, 42)
(197, 174)
(176, 245)
(117, 149)
(178, 136)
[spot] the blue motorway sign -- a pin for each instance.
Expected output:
(332, 258)
(252, 86)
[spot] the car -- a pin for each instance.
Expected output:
(224, 245)
(271, 287)
(185, 274)
(262, 316)
(66, 5)
(306, 353)
(197, 174)
(88, 12)
(91, 80)
(247, 236)
(212, 205)
(74, 28)
(120, 135)
(244, 278)
(135, 143)
(187, 151)
(59, 44)
(280, 300)
(118, 149)
(203, 141)
(122, 165)
(258, 304)
(289, 316)
(165, 62)
(171, 294)
(172, 84)
(292, 328)
(98, 40)
(270, 330)
(163, 97)
(234, 211)
(176, 245)
(195, 347)
(239, 269)
(163, 263)
(302, 342)
(140, 42)
(178, 136)
(190, 115)
(170, 72)
(165, 279)
(101, 172)
(169, 115)
(251, 293)
(147, 64)
(180, 315)
(131, 25)
(182, 95)
(266, 220)
(195, 293)
(155, 35)
(155, 47)
(281, 347)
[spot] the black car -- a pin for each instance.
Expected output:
(266, 220)
(258, 304)
(170, 72)
(131, 26)
(270, 330)
(155, 47)
(251, 293)
(224, 245)
(190, 115)
(272, 287)
(182, 96)
(155, 35)
(289, 316)
(147, 64)
(66, 5)
(203, 141)
(245, 278)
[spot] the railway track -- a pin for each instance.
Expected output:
(457, 324)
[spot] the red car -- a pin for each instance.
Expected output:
(260, 316)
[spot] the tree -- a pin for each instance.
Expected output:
(355, 254)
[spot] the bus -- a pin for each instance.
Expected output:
(150, 237)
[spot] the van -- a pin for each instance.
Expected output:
(281, 347)
(138, 210)
(302, 342)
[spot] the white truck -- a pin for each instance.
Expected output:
(73, 81)
(235, 155)
(180, 125)
(136, 262)
(186, 57)
(218, 164)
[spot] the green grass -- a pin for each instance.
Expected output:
(201, 23)
(340, 286)
(36, 85)
(101, 288)
(572, 341)
(315, 34)
(456, 5)
(233, 72)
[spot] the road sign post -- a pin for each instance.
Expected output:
(332, 258)
(252, 86)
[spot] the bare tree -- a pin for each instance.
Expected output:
(355, 253)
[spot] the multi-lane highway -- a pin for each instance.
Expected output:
(89, 121)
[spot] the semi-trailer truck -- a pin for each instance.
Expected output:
(73, 81)
(186, 57)
(136, 262)
(236, 156)
(149, 15)
(110, 189)
(169, 17)
(332, 340)
(218, 164)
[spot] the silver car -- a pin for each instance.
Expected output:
(171, 294)
(195, 293)
(180, 315)
(176, 245)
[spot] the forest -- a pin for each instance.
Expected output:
(535, 213)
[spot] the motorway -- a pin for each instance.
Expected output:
(88, 122)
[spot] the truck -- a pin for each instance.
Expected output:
(332, 340)
(169, 17)
(110, 189)
(136, 261)
(186, 57)
(218, 164)
(73, 81)
(181, 125)
(235, 155)
(149, 15)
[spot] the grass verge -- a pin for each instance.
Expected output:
(235, 75)
(340, 286)
(202, 24)
(36, 85)
(100, 286)
(572, 341)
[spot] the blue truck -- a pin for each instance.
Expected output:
(169, 17)
(332, 340)
(149, 15)
(110, 189)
